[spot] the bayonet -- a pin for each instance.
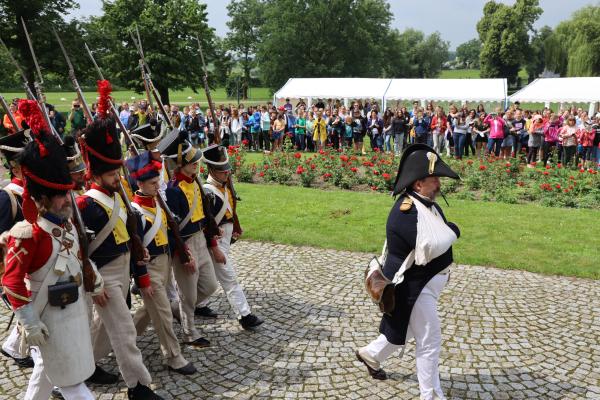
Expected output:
(6, 108)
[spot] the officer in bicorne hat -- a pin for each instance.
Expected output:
(11, 212)
(219, 169)
(418, 263)
(185, 200)
(104, 212)
(43, 278)
(146, 172)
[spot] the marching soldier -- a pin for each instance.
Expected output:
(219, 170)
(11, 212)
(185, 200)
(104, 213)
(146, 172)
(43, 279)
(419, 263)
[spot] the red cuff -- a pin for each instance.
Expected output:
(144, 281)
(213, 243)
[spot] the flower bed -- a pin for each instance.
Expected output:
(488, 180)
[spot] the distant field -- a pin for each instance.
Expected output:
(62, 100)
(471, 74)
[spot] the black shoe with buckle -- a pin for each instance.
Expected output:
(101, 377)
(141, 392)
(56, 394)
(250, 321)
(188, 369)
(378, 374)
(26, 362)
(205, 312)
(199, 343)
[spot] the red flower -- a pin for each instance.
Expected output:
(313, 166)
(548, 167)
(375, 172)
(545, 172)
(581, 171)
(534, 163)
(297, 155)
(559, 165)
(344, 157)
(245, 142)
(386, 176)
(521, 183)
(557, 186)
(321, 151)
(299, 170)
(566, 190)
(373, 187)
(354, 169)
(266, 166)
(572, 177)
(202, 170)
(326, 175)
(482, 167)
(261, 174)
(507, 171)
(507, 164)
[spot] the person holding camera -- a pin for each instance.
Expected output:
(76, 117)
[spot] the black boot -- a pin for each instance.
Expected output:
(141, 392)
(250, 321)
(206, 312)
(26, 362)
(101, 377)
(188, 369)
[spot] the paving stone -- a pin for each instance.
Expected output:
(506, 335)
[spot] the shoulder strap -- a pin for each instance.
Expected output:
(13, 202)
(106, 230)
(223, 198)
(156, 222)
(408, 262)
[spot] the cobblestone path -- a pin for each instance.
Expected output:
(507, 335)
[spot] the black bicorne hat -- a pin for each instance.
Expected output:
(420, 161)
(176, 146)
(74, 158)
(216, 157)
(147, 133)
(101, 147)
(12, 145)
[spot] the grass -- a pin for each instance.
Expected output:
(473, 74)
(527, 237)
(62, 100)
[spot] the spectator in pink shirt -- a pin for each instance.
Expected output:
(496, 123)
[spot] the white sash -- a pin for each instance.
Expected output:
(13, 187)
(156, 221)
(108, 202)
(223, 196)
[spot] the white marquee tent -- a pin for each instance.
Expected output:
(335, 88)
(561, 90)
(486, 90)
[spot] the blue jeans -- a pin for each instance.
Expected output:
(494, 143)
(459, 143)
(388, 142)
(377, 142)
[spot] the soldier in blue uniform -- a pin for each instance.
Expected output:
(419, 263)
(11, 212)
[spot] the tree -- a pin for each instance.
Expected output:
(40, 17)
(246, 17)
(573, 49)
(168, 30)
(322, 39)
(412, 55)
(504, 34)
(468, 53)
(535, 63)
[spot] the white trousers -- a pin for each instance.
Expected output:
(227, 277)
(11, 344)
(424, 326)
(40, 388)
(438, 142)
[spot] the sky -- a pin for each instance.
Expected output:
(456, 20)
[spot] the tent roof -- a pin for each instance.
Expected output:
(447, 89)
(341, 88)
(560, 90)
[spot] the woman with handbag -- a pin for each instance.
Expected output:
(416, 266)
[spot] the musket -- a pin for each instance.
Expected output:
(211, 225)
(236, 222)
(6, 108)
(180, 246)
(14, 62)
(89, 276)
(142, 62)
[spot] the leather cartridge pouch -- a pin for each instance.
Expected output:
(64, 293)
(380, 289)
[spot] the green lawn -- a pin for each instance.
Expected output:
(472, 74)
(529, 237)
(62, 100)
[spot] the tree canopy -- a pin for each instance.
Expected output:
(504, 34)
(468, 53)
